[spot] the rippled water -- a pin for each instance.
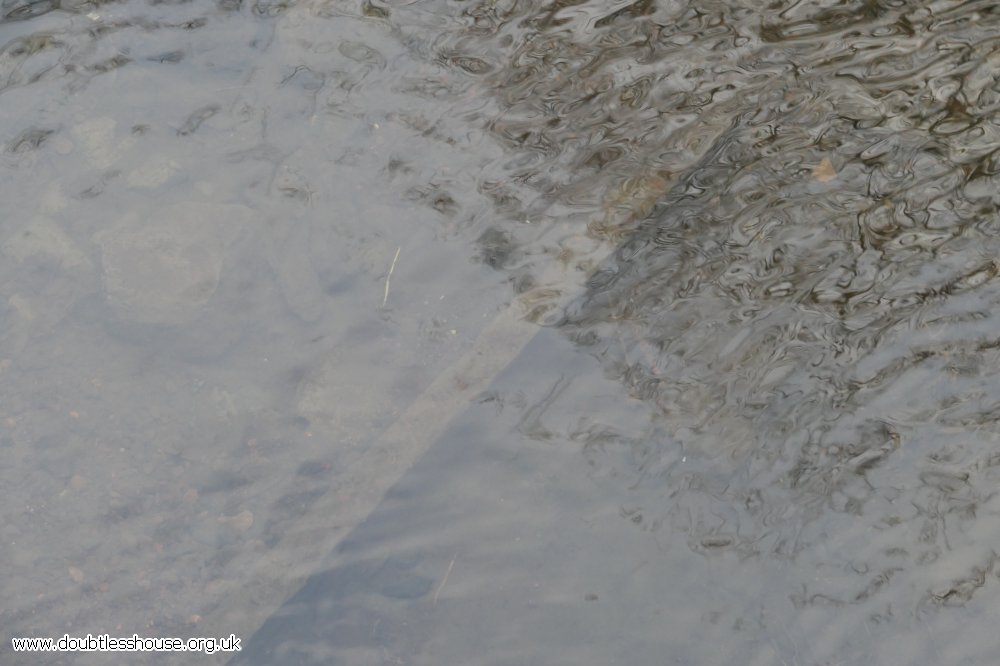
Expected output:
(740, 258)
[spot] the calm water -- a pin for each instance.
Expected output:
(496, 332)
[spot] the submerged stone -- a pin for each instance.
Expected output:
(164, 266)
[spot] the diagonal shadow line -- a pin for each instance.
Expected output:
(242, 608)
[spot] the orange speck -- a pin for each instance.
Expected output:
(824, 171)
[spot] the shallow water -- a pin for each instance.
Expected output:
(738, 262)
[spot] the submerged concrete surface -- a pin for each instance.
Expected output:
(773, 409)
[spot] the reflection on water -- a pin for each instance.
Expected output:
(802, 293)
(762, 238)
(808, 312)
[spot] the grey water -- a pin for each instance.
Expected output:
(501, 331)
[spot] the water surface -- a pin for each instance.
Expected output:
(740, 260)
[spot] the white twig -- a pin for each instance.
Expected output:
(385, 298)
(443, 581)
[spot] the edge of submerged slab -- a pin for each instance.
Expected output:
(245, 602)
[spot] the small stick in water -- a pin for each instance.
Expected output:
(385, 298)
(443, 581)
